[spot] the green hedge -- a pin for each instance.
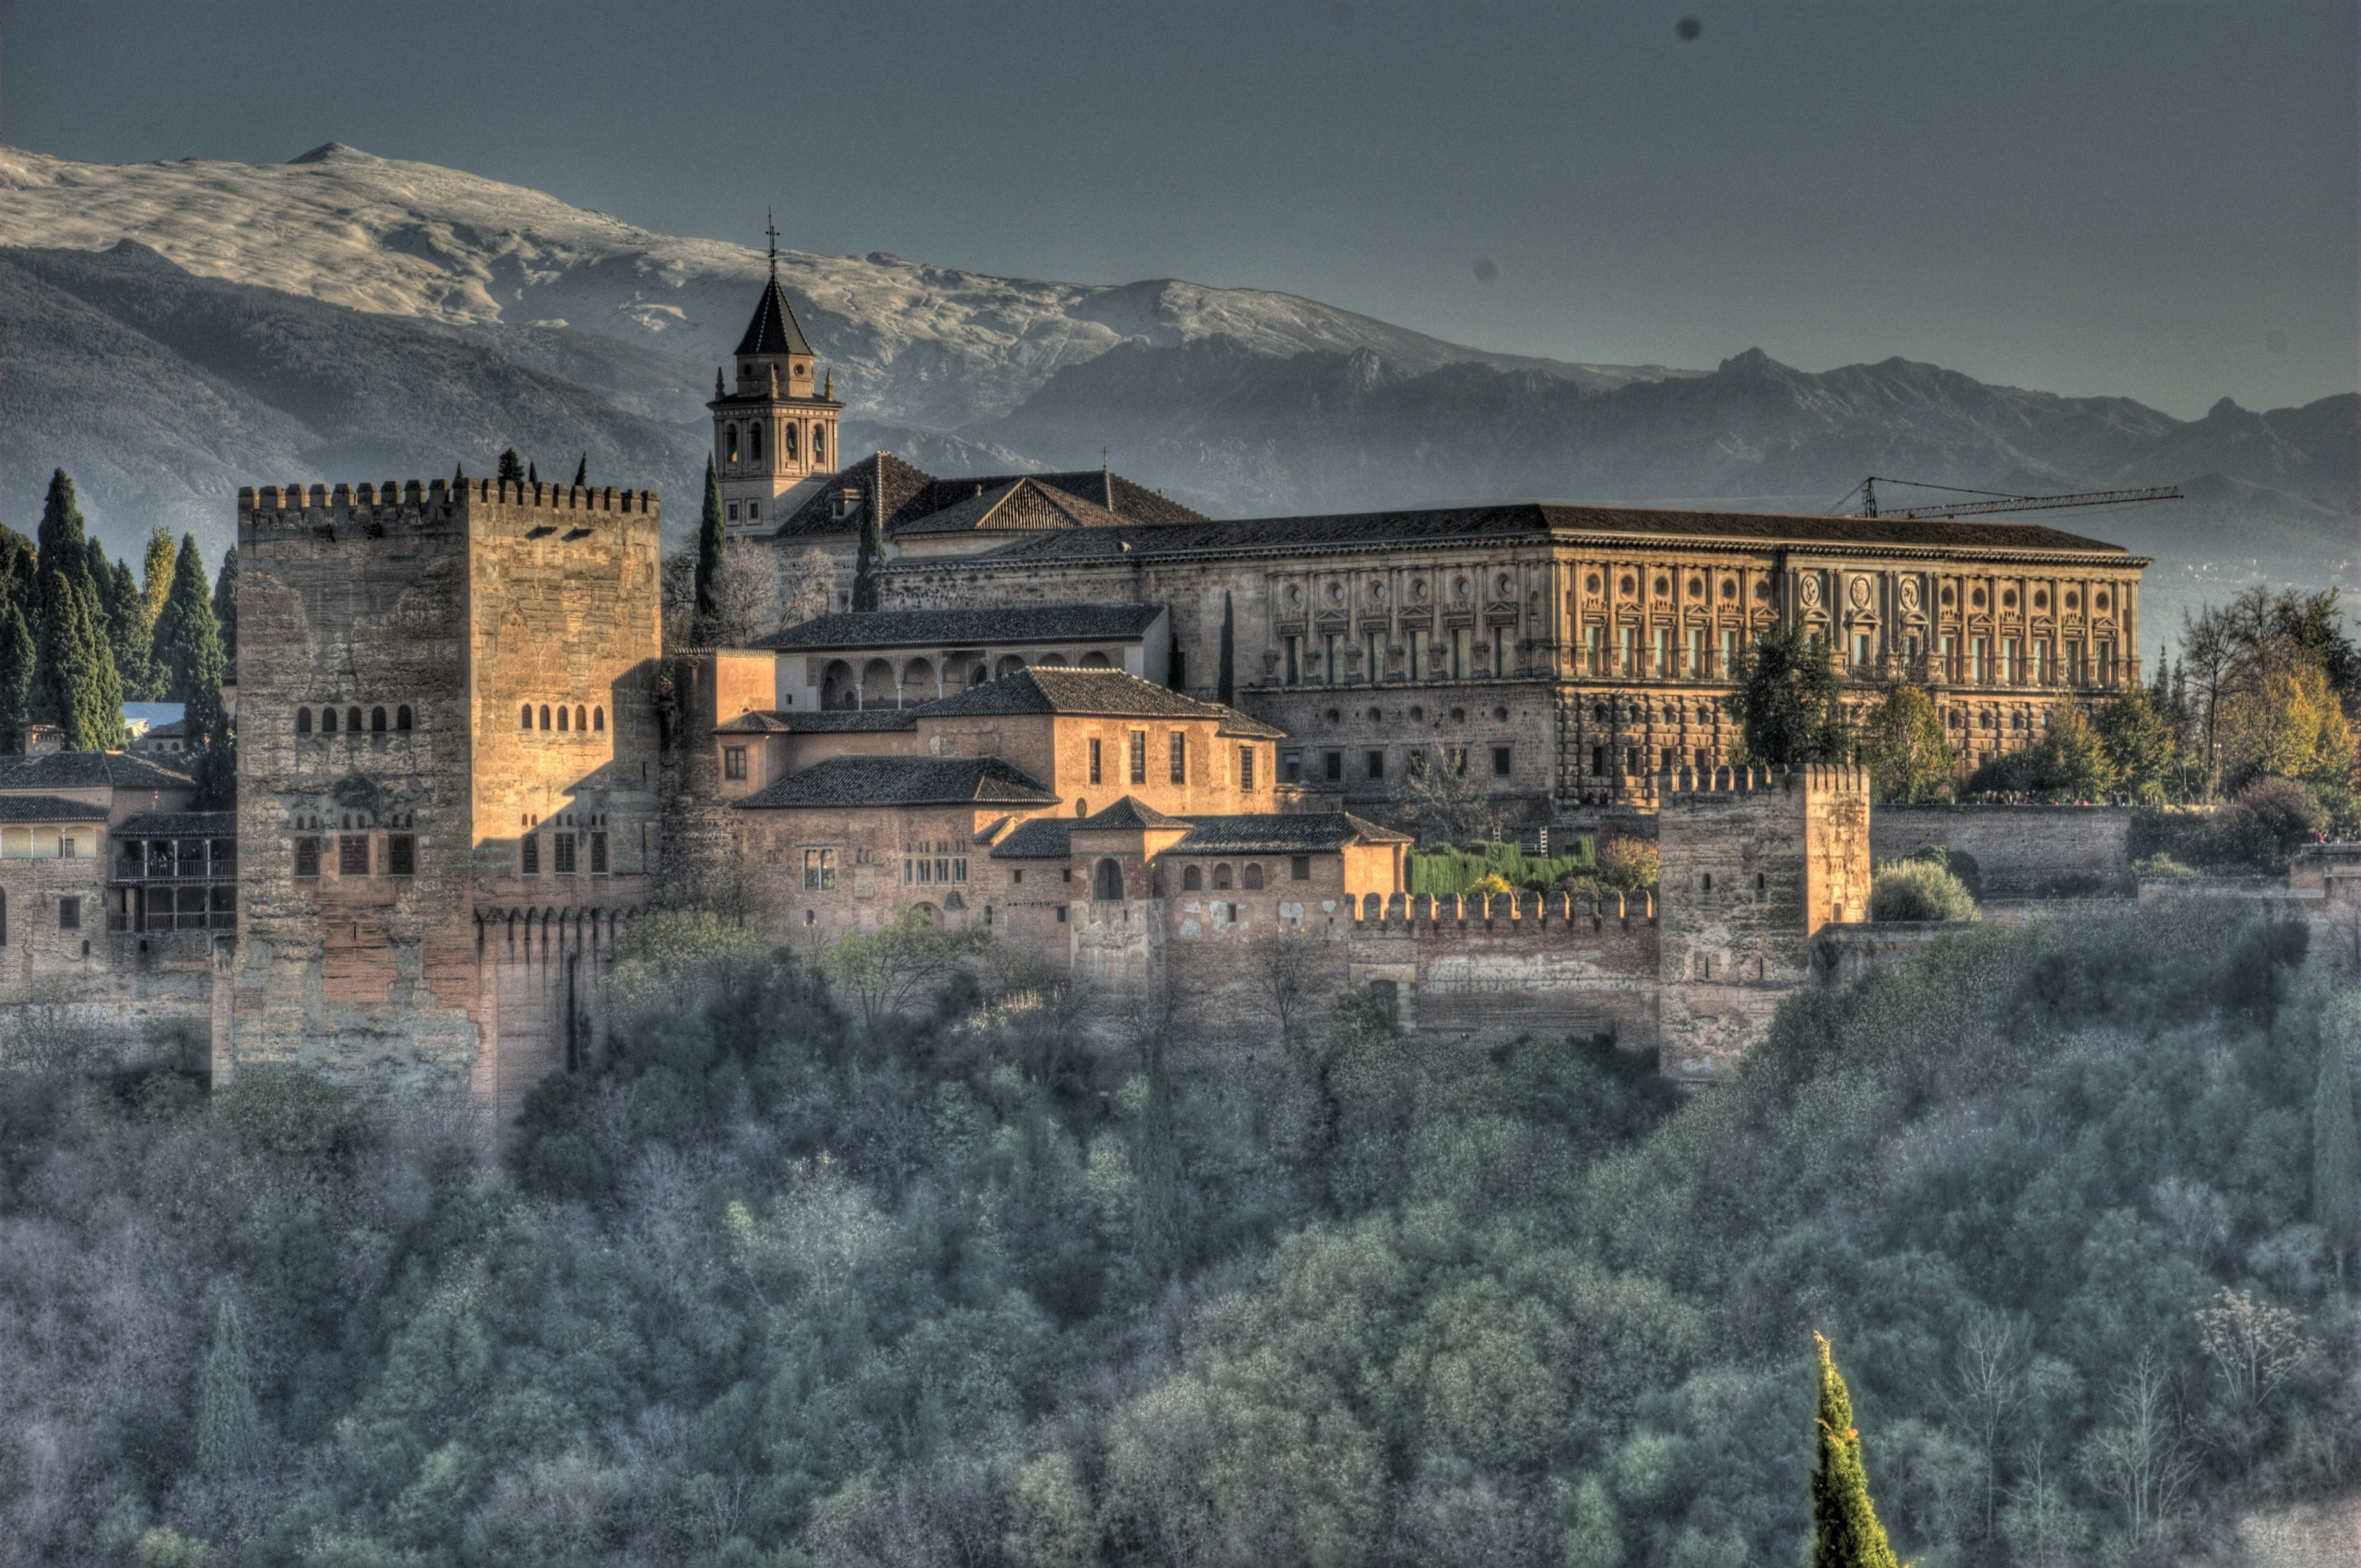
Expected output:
(1450, 871)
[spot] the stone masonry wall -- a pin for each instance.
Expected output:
(2022, 850)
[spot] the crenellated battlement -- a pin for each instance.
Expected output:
(367, 502)
(1828, 778)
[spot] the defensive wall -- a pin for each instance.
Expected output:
(2024, 851)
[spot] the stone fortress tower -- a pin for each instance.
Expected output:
(775, 436)
(448, 774)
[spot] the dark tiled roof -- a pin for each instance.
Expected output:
(774, 330)
(48, 808)
(179, 825)
(1538, 522)
(1282, 833)
(1129, 813)
(1112, 694)
(966, 628)
(1041, 838)
(781, 721)
(912, 494)
(1132, 503)
(1024, 505)
(902, 781)
(88, 770)
(879, 471)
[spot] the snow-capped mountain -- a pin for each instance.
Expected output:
(914, 344)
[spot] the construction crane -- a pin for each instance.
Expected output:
(1867, 489)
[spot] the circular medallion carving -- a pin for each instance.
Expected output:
(1809, 590)
(1910, 593)
(1861, 593)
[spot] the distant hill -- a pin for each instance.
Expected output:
(343, 315)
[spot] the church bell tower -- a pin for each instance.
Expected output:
(775, 435)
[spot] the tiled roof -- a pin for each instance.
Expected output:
(774, 330)
(1113, 492)
(1112, 694)
(1025, 503)
(816, 518)
(48, 808)
(1129, 813)
(1538, 520)
(912, 495)
(1041, 838)
(1282, 833)
(88, 770)
(782, 721)
(178, 825)
(902, 781)
(964, 628)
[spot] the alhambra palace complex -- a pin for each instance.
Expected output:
(466, 762)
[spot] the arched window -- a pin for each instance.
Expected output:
(1253, 878)
(545, 716)
(1671, 714)
(563, 715)
(1705, 716)
(581, 719)
(1010, 663)
(328, 721)
(729, 442)
(401, 718)
(525, 720)
(787, 442)
(376, 721)
(302, 721)
(819, 443)
(599, 719)
(1221, 877)
(754, 443)
(353, 719)
(1192, 880)
(1107, 882)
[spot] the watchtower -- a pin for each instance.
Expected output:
(446, 759)
(1753, 861)
(775, 436)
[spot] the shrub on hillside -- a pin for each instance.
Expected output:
(1959, 863)
(1919, 890)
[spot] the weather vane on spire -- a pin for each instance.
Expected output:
(770, 227)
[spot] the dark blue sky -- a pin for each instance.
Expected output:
(2136, 197)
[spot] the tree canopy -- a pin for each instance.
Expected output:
(1789, 704)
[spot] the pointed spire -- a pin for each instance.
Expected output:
(770, 227)
(719, 392)
(828, 383)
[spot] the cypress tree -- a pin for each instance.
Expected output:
(156, 574)
(1844, 1528)
(532, 473)
(225, 604)
(511, 467)
(872, 547)
(60, 543)
(1157, 1213)
(582, 472)
(76, 688)
(1226, 689)
(2336, 1155)
(709, 547)
(188, 640)
(16, 666)
(128, 633)
(17, 569)
(458, 475)
(227, 1421)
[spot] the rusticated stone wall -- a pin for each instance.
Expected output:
(2024, 851)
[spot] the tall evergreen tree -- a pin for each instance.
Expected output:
(225, 604)
(2336, 1155)
(710, 541)
(872, 547)
(1789, 704)
(17, 662)
(1226, 689)
(156, 572)
(582, 472)
(77, 687)
(62, 550)
(18, 566)
(458, 475)
(228, 1423)
(127, 634)
(1844, 1528)
(188, 640)
(1157, 1221)
(532, 473)
(511, 467)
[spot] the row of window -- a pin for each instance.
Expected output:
(586, 720)
(1329, 657)
(376, 724)
(1175, 756)
(1249, 877)
(919, 870)
(354, 855)
(565, 850)
(1636, 760)
(750, 448)
(1332, 763)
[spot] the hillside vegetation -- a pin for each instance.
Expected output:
(775, 1288)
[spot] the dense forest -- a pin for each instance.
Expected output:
(2076, 1207)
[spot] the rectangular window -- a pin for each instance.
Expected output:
(1331, 658)
(2103, 664)
(1377, 656)
(1333, 764)
(2074, 664)
(1294, 671)
(564, 847)
(1461, 652)
(1594, 649)
(1860, 650)
(819, 871)
(1095, 762)
(1178, 747)
(1062, 914)
(1911, 649)
(529, 854)
(2041, 662)
(1291, 767)
(1501, 762)
(1300, 869)
(1246, 768)
(1422, 653)
(1629, 663)
(733, 762)
(69, 914)
(1729, 649)
(1663, 651)
(1950, 658)
(959, 868)
(401, 854)
(1975, 669)
(1670, 760)
(1377, 765)
(307, 857)
(1631, 760)
(1598, 762)
(1139, 757)
(352, 854)
(1696, 651)
(1499, 650)
(1456, 757)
